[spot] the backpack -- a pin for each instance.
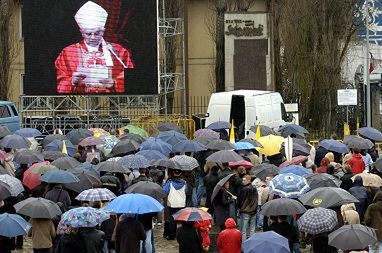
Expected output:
(176, 198)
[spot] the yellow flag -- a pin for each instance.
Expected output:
(258, 132)
(346, 129)
(232, 133)
(64, 151)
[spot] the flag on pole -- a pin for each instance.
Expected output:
(258, 132)
(346, 129)
(232, 133)
(64, 150)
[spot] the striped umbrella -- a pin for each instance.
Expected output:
(96, 194)
(191, 214)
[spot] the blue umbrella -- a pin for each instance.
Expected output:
(158, 145)
(243, 146)
(56, 145)
(59, 177)
(14, 141)
(28, 132)
(76, 135)
(188, 146)
(295, 169)
(171, 137)
(13, 225)
(289, 129)
(335, 146)
(218, 125)
(288, 185)
(370, 133)
(134, 161)
(269, 242)
(152, 155)
(134, 203)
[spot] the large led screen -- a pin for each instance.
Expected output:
(78, 47)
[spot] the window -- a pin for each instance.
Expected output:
(4, 112)
(13, 108)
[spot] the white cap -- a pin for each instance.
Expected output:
(91, 16)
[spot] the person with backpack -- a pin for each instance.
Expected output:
(176, 189)
(59, 196)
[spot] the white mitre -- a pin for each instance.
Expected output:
(91, 16)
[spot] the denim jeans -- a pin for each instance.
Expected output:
(146, 245)
(259, 218)
(245, 220)
(373, 250)
(198, 192)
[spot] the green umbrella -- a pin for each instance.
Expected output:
(135, 130)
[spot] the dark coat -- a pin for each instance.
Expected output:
(346, 182)
(189, 238)
(320, 244)
(285, 229)
(128, 235)
(248, 199)
(6, 244)
(373, 215)
(70, 243)
(210, 182)
(360, 193)
(59, 195)
(141, 178)
(222, 204)
(320, 154)
(93, 240)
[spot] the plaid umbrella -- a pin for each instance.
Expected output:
(91, 141)
(15, 185)
(172, 137)
(125, 146)
(84, 217)
(134, 161)
(65, 163)
(191, 214)
(263, 170)
(96, 194)
(188, 146)
(14, 141)
(167, 126)
(38, 208)
(220, 145)
(56, 145)
(28, 132)
(152, 155)
(166, 163)
(288, 185)
(43, 168)
(76, 135)
(27, 156)
(317, 220)
(53, 155)
(113, 167)
(327, 197)
(206, 133)
(157, 144)
(49, 138)
(4, 131)
(187, 163)
(135, 130)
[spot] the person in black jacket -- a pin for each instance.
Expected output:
(210, 182)
(223, 203)
(70, 243)
(360, 193)
(128, 234)
(189, 239)
(247, 202)
(346, 182)
(93, 239)
(281, 226)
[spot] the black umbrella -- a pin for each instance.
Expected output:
(352, 237)
(263, 170)
(53, 155)
(166, 163)
(124, 147)
(132, 136)
(220, 145)
(290, 129)
(218, 125)
(219, 185)
(14, 141)
(77, 135)
(5, 191)
(49, 138)
(283, 206)
(167, 126)
(203, 140)
(224, 156)
(112, 167)
(298, 149)
(321, 180)
(353, 141)
(4, 131)
(370, 133)
(27, 156)
(38, 208)
(327, 197)
(148, 188)
(88, 180)
(65, 163)
(264, 130)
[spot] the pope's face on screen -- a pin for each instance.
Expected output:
(93, 37)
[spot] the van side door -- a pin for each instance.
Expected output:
(9, 117)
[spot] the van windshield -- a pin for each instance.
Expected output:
(284, 114)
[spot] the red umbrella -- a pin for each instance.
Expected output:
(295, 161)
(32, 180)
(191, 214)
(243, 163)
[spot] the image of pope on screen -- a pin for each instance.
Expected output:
(92, 65)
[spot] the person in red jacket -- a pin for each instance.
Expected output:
(229, 240)
(356, 162)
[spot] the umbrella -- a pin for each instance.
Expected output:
(65, 163)
(96, 194)
(290, 129)
(28, 132)
(38, 208)
(206, 133)
(370, 133)
(4, 131)
(125, 146)
(224, 156)
(188, 146)
(243, 163)
(15, 185)
(59, 177)
(282, 206)
(269, 242)
(369, 179)
(220, 145)
(187, 163)
(112, 167)
(358, 142)
(91, 141)
(49, 138)
(53, 155)
(76, 135)
(14, 141)
(252, 141)
(317, 220)
(288, 185)
(271, 144)
(158, 145)
(131, 136)
(352, 237)
(296, 169)
(297, 149)
(13, 225)
(204, 141)
(171, 137)
(335, 146)
(327, 197)
(134, 161)
(87, 180)
(43, 168)
(321, 180)
(263, 170)
(191, 214)
(295, 161)
(167, 126)
(56, 145)
(135, 130)
(5, 191)
(148, 188)
(152, 155)
(219, 185)
(110, 142)
(84, 217)
(166, 163)
(27, 156)
(219, 125)
(264, 130)
(243, 146)
(32, 180)
(134, 203)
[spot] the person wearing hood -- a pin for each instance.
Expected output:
(346, 182)
(356, 163)
(349, 214)
(360, 193)
(373, 218)
(323, 165)
(229, 240)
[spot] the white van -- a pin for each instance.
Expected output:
(247, 108)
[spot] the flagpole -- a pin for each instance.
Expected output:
(367, 69)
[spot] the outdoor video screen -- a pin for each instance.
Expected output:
(78, 47)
